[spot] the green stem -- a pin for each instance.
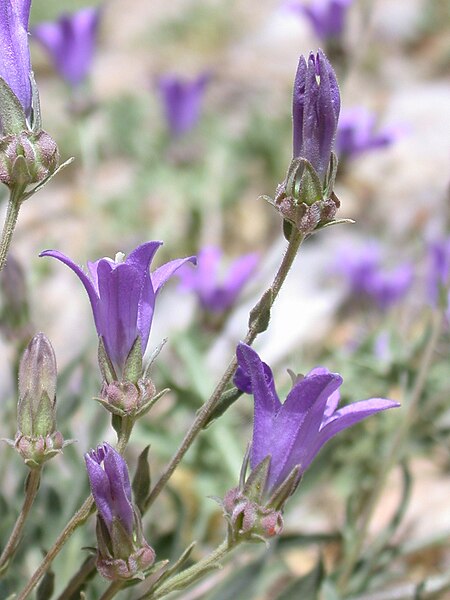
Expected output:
(189, 576)
(14, 203)
(394, 453)
(112, 590)
(78, 519)
(31, 489)
(208, 408)
(430, 589)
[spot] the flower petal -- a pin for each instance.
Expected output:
(298, 423)
(100, 488)
(266, 402)
(344, 418)
(120, 289)
(119, 481)
(165, 272)
(88, 285)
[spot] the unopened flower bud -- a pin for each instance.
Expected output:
(27, 158)
(37, 439)
(37, 388)
(123, 552)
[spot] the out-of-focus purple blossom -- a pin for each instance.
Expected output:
(15, 65)
(389, 287)
(292, 433)
(439, 267)
(327, 17)
(70, 42)
(358, 265)
(122, 293)
(367, 277)
(215, 295)
(315, 111)
(110, 485)
(357, 133)
(182, 101)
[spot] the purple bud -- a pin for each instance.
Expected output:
(70, 42)
(122, 552)
(15, 66)
(315, 111)
(110, 485)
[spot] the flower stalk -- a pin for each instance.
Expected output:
(31, 490)
(12, 214)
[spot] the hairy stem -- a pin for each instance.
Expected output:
(394, 452)
(31, 489)
(15, 200)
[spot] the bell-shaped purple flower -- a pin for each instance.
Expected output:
(182, 101)
(123, 552)
(327, 17)
(292, 433)
(357, 133)
(70, 42)
(315, 111)
(122, 293)
(15, 65)
(215, 294)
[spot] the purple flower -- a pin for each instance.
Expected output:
(182, 101)
(315, 111)
(367, 277)
(70, 41)
(15, 65)
(292, 433)
(216, 295)
(357, 133)
(386, 288)
(123, 552)
(122, 294)
(110, 485)
(439, 270)
(327, 17)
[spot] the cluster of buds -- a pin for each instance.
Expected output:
(123, 552)
(306, 199)
(252, 510)
(27, 153)
(36, 439)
